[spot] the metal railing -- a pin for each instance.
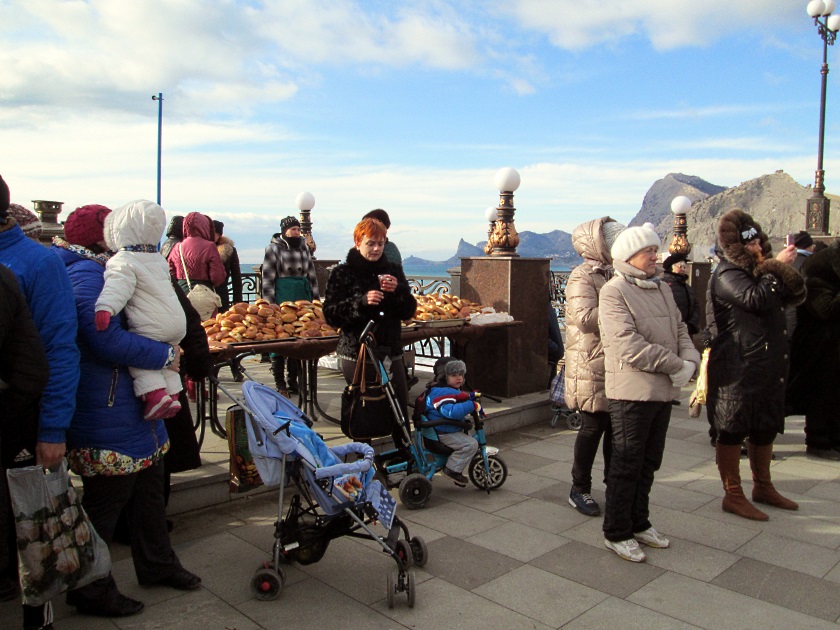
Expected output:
(433, 348)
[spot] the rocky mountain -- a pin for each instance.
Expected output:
(656, 206)
(776, 201)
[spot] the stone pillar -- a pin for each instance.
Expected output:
(512, 361)
(322, 270)
(48, 212)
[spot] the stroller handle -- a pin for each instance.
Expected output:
(366, 331)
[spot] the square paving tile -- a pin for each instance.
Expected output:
(456, 519)
(709, 606)
(518, 541)
(197, 612)
(549, 450)
(520, 460)
(554, 518)
(619, 613)
(677, 498)
(600, 569)
(700, 562)
(791, 554)
(526, 483)
(441, 605)
(705, 531)
(777, 585)
(466, 565)
(546, 597)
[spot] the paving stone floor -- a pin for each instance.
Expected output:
(522, 558)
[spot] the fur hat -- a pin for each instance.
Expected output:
(673, 259)
(610, 230)
(86, 225)
(287, 223)
(4, 197)
(632, 240)
(455, 367)
(27, 220)
(734, 230)
(802, 240)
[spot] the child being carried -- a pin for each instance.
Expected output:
(137, 280)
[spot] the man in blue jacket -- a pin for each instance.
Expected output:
(45, 285)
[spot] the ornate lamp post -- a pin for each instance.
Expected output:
(305, 201)
(159, 99)
(504, 239)
(679, 244)
(817, 209)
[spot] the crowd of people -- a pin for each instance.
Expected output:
(107, 333)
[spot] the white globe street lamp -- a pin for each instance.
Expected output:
(305, 201)
(503, 240)
(679, 244)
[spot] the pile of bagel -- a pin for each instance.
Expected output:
(438, 306)
(263, 321)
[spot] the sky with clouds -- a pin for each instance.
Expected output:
(408, 106)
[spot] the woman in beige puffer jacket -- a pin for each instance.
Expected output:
(585, 355)
(648, 357)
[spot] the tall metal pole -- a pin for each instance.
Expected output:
(818, 206)
(159, 99)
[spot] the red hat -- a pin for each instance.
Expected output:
(84, 226)
(27, 220)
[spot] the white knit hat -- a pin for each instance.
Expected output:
(633, 240)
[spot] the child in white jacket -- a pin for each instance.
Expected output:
(137, 280)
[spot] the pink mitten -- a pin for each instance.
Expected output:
(102, 319)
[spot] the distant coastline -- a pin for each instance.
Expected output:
(437, 270)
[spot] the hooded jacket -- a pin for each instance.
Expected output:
(748, 363)
(584, 352)
(230, 259)
(174, 234)
(204, 265)
(139, 281)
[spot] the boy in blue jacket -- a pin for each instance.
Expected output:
(446, 400)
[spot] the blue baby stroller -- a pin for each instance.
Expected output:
(557, 393)
(411, 469)
(332, 498)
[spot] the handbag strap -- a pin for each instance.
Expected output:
(358, 373)
(184, 263)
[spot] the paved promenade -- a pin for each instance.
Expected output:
(522, 558)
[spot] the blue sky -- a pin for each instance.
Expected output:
(408, 106)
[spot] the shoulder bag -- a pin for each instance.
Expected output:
(204, 299)
(365, 409)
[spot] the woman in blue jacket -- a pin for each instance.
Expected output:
(117, 453)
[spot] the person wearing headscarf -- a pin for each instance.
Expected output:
(584, 370)
(748, 364)
(676, 276)
(288, 275)
(117, 452)
(648, 357)
(45, 286)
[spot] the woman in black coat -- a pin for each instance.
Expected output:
(675, 276)
(815, 355)
(367, 287)
(748, 363)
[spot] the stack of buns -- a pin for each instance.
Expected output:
(263, 321)
(438, 306)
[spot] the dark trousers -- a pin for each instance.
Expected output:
(398, 382)
(279, 365)
(141, 494)
(594, 426)
(822, 422)
(638, 442)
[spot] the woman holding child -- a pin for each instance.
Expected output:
(117, 453)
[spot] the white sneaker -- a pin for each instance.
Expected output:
(652, 538)
(626, 549)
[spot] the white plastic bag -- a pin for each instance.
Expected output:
(488, 315)
(58, 548)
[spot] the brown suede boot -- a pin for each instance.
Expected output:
(729, 465)
(763, 490)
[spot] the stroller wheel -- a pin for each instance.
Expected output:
(415, 491)
(574, 421)
(404, 553)
(479, 477)
(266, 584)
(420, 551)
(410, 588)
(390, 587)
